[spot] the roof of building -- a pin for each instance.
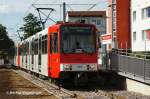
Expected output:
(87, 13)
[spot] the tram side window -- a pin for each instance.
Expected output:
(32, 52)
(28, 48)
(55, 43)
(32, 47)
(40, 41)
(44, 44)
(25, 49)
(36, 47)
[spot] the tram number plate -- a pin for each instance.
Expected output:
(79, 67)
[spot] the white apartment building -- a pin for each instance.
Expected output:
(140, 25)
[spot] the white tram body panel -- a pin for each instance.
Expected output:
(30, 59)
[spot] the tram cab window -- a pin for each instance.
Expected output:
(75, 37)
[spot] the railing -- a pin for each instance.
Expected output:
(132, 65)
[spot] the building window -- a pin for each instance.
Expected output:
(94, 21)
(114, 13)
(82, 21)
(134, 16)
(145, 35)
(114, 1)
(114, 26)
(134, 36)
(146, 13)
(99, 22)
(114, 7)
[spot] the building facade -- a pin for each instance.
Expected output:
(140, 25)
(92, 17)
(118, 23)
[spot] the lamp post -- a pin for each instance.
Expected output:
(113, 18)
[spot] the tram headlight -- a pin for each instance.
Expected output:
(67, 67)
(92, 67)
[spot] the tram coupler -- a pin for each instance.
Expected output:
(80, 79)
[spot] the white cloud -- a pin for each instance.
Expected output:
(4, 8)
(14, 6)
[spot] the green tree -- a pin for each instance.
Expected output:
(5, 42)
(31, 25)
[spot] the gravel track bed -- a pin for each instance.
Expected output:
(86, 92)
(98, 93)
(51, 88)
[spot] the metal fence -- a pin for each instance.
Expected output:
(131, 66)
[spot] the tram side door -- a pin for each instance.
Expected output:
(55, 56)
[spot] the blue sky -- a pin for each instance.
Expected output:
(13, 11)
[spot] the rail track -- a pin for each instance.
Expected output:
(63, 93)
(60, 93)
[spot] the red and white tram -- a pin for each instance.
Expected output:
(63, 50)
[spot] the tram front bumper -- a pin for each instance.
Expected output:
(79, 67)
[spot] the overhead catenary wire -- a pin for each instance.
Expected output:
(45, 14)
(28, 9)
(18, 23)
(61, 4)
(52, 3)
(94, 5)
(70, 7)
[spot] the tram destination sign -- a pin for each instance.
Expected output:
(106, 38)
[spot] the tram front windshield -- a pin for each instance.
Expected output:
(77, 39)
